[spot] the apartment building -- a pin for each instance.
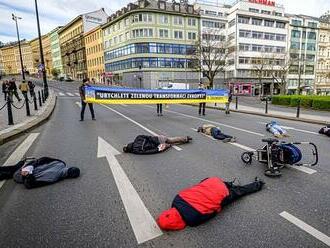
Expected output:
(2, 69)
(150, 44)
(56, 50)
(72, 42)
(259, 32)
(303, 49)
(322, 82)
(95, 55)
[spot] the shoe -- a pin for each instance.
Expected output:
(81, 120)
(161, 114)
(189, 138)
(226, 140)
(259, 182)
(233, 140)
(93, 119)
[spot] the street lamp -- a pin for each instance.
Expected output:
(15, 18)
(41, 53)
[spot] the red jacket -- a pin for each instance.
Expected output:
(195, 205)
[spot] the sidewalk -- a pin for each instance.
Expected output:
(318, 117)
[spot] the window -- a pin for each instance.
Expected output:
(191, 36)
(127, 36)
(295, 45)
(178, 20)
(280, 49)
(253, 10)
(163, 33)
(243, 60)
(310, 58)
(311, 46)
(269, 36)
(268, 49)
(280, 37)
(245, 33)
(257, 22)
(191, 22)
(256, 48)
(312, 24)
(115, 40)
(163, 19)
(126, 22)
(178, 35)
(213, 24)
(295, 34)
(232, 23)
(296, 22)
(266, 12)
(244, 20)
(280, 24)
(311, 35)
(209, 12)
(257, 35)
(278, 14)
(269, 23)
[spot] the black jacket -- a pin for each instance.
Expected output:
(144, 144)
(322, 131)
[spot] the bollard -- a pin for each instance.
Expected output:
(10, 112)
(236, 105)
(298, 109)
(39, 96)
(43, 96)
(266, 107)
(27, 106)
(35, 102)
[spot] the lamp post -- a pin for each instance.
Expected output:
(15, 18)
(41, 53)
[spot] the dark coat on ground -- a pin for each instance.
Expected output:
(144, 144)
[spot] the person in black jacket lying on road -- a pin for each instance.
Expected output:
(144, 144)
(325, 130)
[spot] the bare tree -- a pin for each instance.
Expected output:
(280, 65)
(260, 65)
(211, 55)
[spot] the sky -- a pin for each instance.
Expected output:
(53, 13)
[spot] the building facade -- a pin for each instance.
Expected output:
(2, 69)
(322, 82)
(303, 49)
(56, 51)
(72, 42)
(95, 55)
(258, 30)
(149, 44)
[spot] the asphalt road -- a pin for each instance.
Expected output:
(89, 211)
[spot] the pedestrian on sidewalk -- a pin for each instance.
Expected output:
(201, 109)
(144, 144)
(230, 98)
(5, 89)
(196, 205)
(216, 133)
(13, 90)
(31, 88)
(83, 101)
(159, 109)
(24, 88)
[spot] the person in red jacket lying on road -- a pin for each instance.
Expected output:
(201, 202)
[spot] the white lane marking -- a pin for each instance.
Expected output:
(70, 94)
(293, 128)
(20, 151)
(249, 149)
(138, 124)
(214, 122)
(79, 104)
(208, 136)
(77, 94)
(307, 228)
(143, 224)
(124, 105)
(61, 94)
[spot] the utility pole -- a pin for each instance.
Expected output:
(41, 53)
(15, 18)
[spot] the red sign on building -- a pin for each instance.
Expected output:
(265, 2)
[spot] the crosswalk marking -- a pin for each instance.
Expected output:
(70, 94)
(77, 94)
(61, 94)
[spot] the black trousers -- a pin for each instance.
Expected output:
(7, 172)
(83, 106)
(6, 95)
(201, 108)
(159, 108)
(236, 191)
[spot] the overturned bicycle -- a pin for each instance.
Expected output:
(276, 155)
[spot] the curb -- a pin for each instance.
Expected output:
(31, 124)
(270, 115)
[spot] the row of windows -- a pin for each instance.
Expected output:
(212, 13)
(302, 57)
(300, 23)
(260, 22)
(160, 48)
(95, 62)
(295, 82)
(308, 70)
(324, 38)
(302, 46)
(149, 63)
(299, 34)
(213, 24)
(148, 18)
(93, 37)
(265, 12)
(94, 49)
(260, 61)
(261, 35)
(261, 48)
(73, 33)
(213, 37)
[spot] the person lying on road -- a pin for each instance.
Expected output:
(144, 144)
(278, 131)
(325, 130)
(38, 172)
(201, 202)
(216, 133)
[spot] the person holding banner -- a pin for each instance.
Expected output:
(83, 102)
(144, 144)
(201, 108)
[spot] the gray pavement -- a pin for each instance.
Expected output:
(89, 212)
